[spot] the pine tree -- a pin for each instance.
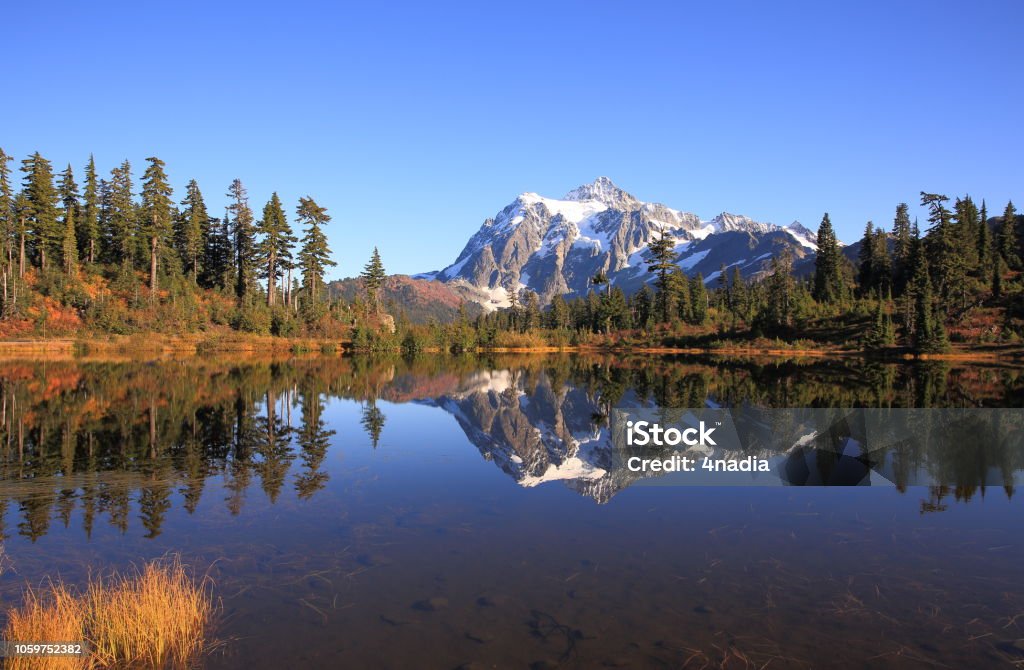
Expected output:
(1008, 237)
(866, 274)
(7, 220)
(274, 250)
(193, 230)
(779, 303)
(944, 250)
(41, 198)
(157, 216)
(679, 301)
(120, 217)
(881, 263)
(828, 279)
(373, 279)
(244, 240)
(698, 300)
(68, 190)
(88, 223)
(558, 314)
(600, 279)
(881, 334)
(984, 245)
(315, 255)
(902, 235)
(663, 261)
(737, 293)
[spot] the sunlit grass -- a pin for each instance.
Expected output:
(154, 618)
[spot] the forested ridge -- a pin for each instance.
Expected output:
(112, 254)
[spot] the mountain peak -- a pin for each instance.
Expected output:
(602, 189)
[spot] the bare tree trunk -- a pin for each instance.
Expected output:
(92, 251)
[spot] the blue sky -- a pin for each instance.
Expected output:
(414, 122)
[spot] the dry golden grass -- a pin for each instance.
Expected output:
(153, 618)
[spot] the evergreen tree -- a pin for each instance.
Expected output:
(679, 301)
(828, 279)
(881, 263)
(737, 293)
(315, 255)
(41, 198)
(274, 251)
(193, 230)
(663, 261)
(901, 233)
(22, 210)
(157, 216)
(68, 190)
(643, 306)
(865, 275)
(88, 223)
(373, 280)
(600, 279)
(7, 220)
(558, 313)
(984, 245)
(779, 303)
(698, 300)
(881, 333)
(121, 216)
(944, 250)
(244, 240)
(1008, 237)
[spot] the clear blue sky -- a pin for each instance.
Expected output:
(414, 122)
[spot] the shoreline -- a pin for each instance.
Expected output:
(136, 347)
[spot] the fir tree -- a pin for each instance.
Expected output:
(737, 293)
(193, 230)
(244, 240)
(315, 255)
(373, 279)
(557, 315)
(7, 220)
(68, 190)
(1008, 237)
(274, 250)
(663, 261)
(828, 279)
(41, 198)
(866, 275)
(157, 215)
(881, 262)
(779, 307)
(88, 223)
(944, 250)
(698, 300)
(121, 216)
(984, 244)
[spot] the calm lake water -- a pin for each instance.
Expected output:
(449, 512)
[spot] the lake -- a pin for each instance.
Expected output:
(447, 512)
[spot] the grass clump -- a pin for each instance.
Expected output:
(156, 617)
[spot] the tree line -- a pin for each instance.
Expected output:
(64, 235)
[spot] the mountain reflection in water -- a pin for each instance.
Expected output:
(97, 436)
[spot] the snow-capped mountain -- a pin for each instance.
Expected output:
(554, 246)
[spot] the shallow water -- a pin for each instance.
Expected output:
(391, 514)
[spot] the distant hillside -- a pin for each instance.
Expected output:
(420, 299)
